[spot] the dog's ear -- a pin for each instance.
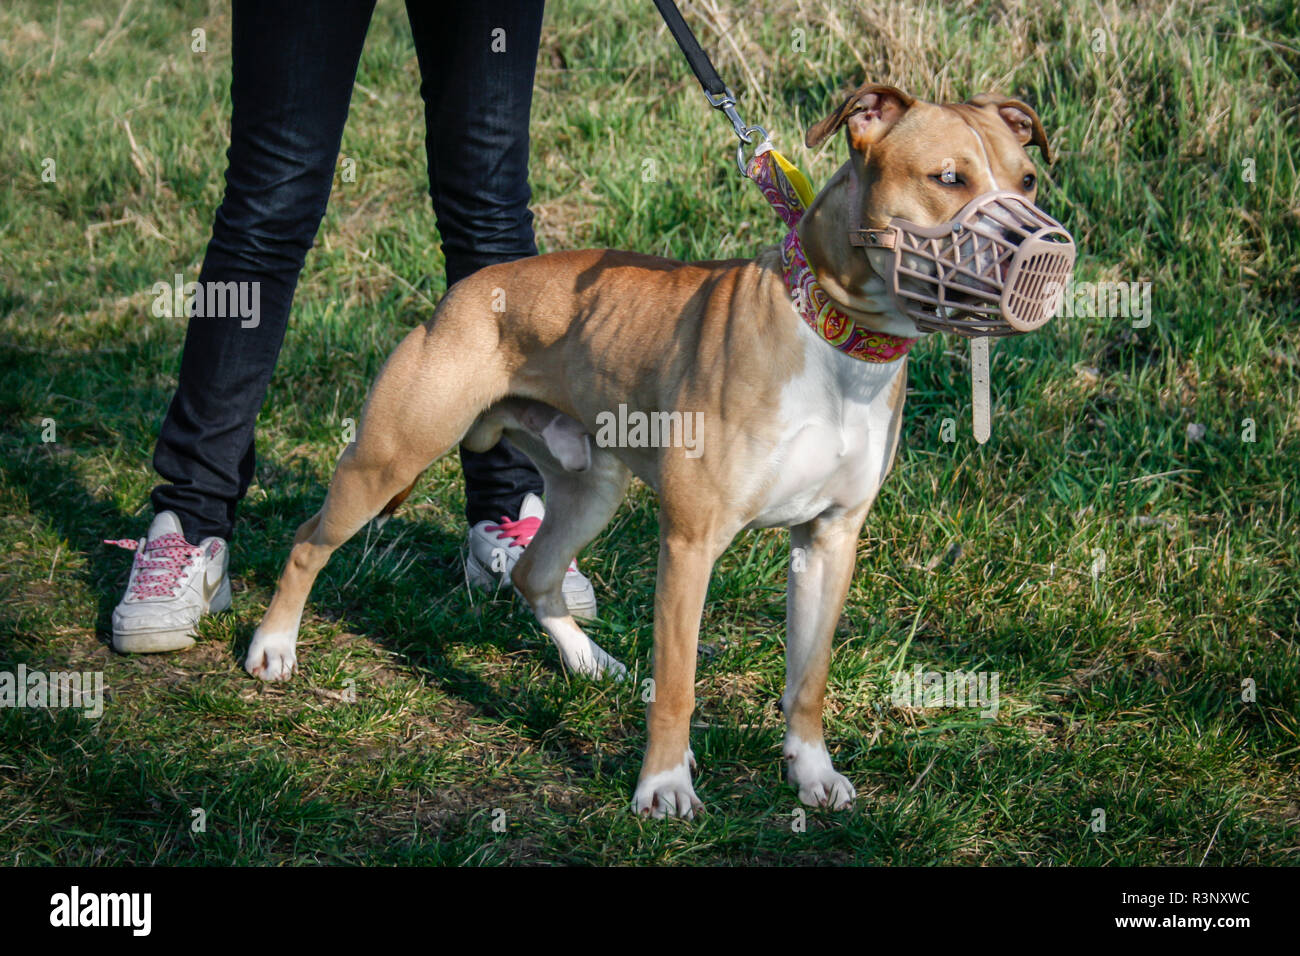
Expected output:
(1022, 119)
(870, 112)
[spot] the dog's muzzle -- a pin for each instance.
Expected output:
(999, 267)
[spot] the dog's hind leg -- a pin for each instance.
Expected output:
(822, 557)
(359, 490)
(578, 506)
(420, 407)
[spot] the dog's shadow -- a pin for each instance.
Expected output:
(403, 587)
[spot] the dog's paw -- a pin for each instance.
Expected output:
(593, 661)
(272, 657)
(813, 776)
(668, 793)
(580, 653)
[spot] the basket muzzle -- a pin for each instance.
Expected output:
(999, 267)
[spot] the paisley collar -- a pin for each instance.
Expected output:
(789, 193)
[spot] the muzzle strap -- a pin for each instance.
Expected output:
(873, 238)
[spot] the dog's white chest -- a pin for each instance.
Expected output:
(837, 430)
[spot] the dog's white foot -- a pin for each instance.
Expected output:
(668, 793)
(592, 661)
(581, 654)
(272, 657)
(813, 776)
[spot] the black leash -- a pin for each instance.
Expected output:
(718, 93)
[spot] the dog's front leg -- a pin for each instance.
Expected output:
(821, 566)
(664, 787)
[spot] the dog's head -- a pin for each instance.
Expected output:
(924, 163)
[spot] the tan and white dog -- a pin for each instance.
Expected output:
(795, 434)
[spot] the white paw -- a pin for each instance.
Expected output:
(813, 776)
(580, 653)
(592, 661)
(272, 657)
(668, 793)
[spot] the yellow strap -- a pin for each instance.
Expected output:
(797, 179)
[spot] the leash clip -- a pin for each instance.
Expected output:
(726, 102)
(716, 92)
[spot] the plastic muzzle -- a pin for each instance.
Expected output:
(999, 267)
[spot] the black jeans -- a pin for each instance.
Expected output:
(294, 65)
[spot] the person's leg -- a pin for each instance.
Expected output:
(292, 77)
(477, 64)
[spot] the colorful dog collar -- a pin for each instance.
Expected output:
(829, 322)
(789, 194)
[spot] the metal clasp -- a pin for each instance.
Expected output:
(726, 101)
(752, 134)
(748, 135)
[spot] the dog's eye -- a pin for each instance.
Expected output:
(948, 178)
(1030, 181)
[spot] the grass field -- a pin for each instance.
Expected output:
(1122, 575)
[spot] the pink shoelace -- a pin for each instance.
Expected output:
(159, 565)
(520, 532)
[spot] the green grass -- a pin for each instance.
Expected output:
(1122, 694)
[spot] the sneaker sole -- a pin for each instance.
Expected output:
(160, 642)
(152, 642)
(583, 608)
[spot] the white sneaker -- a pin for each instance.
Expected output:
(495, 547)
(173, 583)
